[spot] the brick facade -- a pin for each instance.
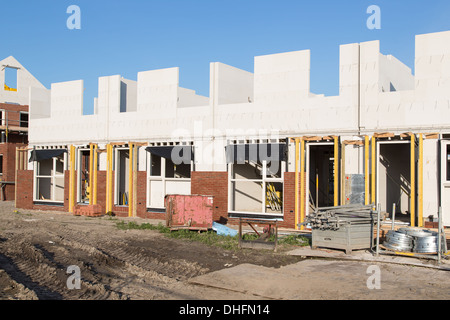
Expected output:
(8, 149)
(289, 199)
(213, 184)
(25, 193)
(203, 183)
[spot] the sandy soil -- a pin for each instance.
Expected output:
(36, 248)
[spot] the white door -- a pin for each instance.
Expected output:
(445, 181)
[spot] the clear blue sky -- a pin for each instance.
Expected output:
(125, 37)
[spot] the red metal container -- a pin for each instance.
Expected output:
(193, 212)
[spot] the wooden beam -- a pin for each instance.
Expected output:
(420, 182)
(353, 142)
(72, 179)
(91, 170)
(302, 182)
(366, 169)
(431, 136)
(94, 187)
(130, 180)
(312, 138)
(374, 161)
(406, 135)
(384, 135)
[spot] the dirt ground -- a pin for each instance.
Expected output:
(37, 248)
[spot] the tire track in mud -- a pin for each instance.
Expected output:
(122, 252)
(43, 271)
(115, 266)
(109, 269)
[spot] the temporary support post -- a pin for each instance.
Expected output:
(135, 161)
(336, 171)
(374, 155)
(366, 169)
(302, 182)
(72, 179)
(297, 141)
(91, 178)
(109, 188)
(343, 172)
(130, 181)
(420, 182)
(413, 181)
(107, 180)
(94, 188)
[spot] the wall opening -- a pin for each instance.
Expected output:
(23, 120)
(321, 175)
(10, 79)
(122, 177)
(84, 176)
(256, 187)
(50, 179)
(394, 179)
(165, 177)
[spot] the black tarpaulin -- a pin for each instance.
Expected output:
(39, 155)
(239, 153)
(178, 154)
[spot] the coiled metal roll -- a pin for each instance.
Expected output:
(398, 241)
(426, 244)
(424, 241)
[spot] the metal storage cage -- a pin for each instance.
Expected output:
(348, 228)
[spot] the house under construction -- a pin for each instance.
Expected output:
(261, 144)
(15, 83)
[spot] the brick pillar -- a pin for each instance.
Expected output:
(24, 189)
(289, 199)
(213, 184)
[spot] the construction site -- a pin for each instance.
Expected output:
(368, 169)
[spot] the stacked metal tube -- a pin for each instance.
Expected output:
(332, 218)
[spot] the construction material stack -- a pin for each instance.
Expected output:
(348, 228)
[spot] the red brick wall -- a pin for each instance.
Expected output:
(203, 183)
(14, 115)
(213, 184)
(289, 199)
(25, 193)
(24, 189)
(8, 150)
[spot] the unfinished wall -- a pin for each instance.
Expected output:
(230, 85)
(377, 93)
(25, 81)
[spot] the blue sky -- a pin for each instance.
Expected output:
(125, 37)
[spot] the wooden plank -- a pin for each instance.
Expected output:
(384, 135)
(431, 135)
(406, 135)
(312, 138)
(353, 142)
